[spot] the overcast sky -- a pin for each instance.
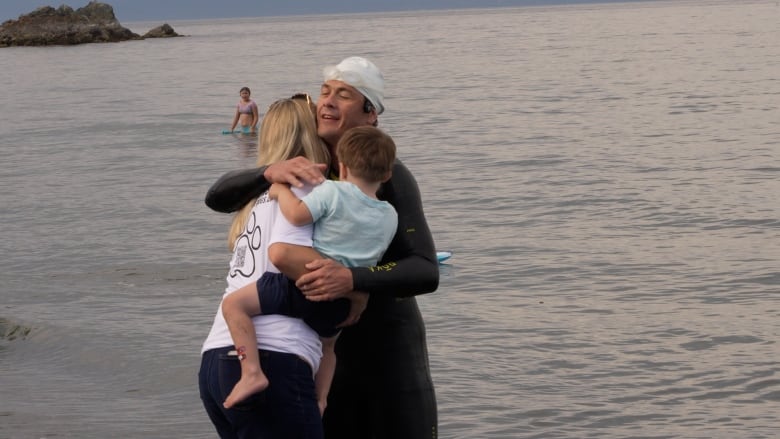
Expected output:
(153, 10)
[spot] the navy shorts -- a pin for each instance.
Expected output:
(279, 295)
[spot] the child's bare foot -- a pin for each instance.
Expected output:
(247, 386)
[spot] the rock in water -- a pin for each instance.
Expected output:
(45, 26)
(164, 31)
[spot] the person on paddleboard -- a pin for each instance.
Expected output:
(246, 115)
(382, 386)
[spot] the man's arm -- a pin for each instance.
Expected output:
(408, 267)
(234, 189)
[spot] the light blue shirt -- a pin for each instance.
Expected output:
(350, 226)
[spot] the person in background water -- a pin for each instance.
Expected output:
(382, 387)
(246, 113)
(290, 350)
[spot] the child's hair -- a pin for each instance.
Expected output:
(368, 152)
(246, 89)
(288, 130)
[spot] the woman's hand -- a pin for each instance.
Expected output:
(296, 172)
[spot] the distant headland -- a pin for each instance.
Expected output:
(94, 23)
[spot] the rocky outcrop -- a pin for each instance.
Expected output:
(164, 31)
(94, 23)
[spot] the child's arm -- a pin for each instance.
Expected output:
(255, 117)
(235, 120)
(291, 206)
(324, 376)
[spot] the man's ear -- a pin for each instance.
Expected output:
(373, 118)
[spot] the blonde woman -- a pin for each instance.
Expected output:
(290, 350)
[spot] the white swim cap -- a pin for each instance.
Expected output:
(361, 74)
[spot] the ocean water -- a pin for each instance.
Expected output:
(607, 176)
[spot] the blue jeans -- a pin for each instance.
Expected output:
(286, 409)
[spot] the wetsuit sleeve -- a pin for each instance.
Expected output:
(409, 266)
(234, 189)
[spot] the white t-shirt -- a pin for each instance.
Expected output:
(250, 260)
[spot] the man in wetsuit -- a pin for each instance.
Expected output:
(382, 387)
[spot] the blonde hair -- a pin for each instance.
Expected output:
(289, 130)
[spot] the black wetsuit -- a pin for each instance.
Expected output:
(382, 387)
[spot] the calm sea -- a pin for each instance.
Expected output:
(607, 176)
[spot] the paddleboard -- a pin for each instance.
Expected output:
(236, 131)
(443, 255)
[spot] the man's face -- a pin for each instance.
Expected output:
(339, 108)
